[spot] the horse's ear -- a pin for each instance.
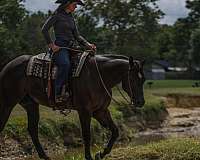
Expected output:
(131, 60)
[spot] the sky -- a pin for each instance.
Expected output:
(173, 9)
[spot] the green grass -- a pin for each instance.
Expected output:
(172, 149)
(171, 83)
(164, 87)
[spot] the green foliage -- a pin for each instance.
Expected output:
(194, 15)
(125, 27)
(181, 41)
(195, 46)
(31, 38)
(132, 24)
(117, 27)
(50, 129)
(164, 44)
(179, 45)
(17, 128)
(12, 13)
(87, 26)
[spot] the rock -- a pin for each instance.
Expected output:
(182, 122)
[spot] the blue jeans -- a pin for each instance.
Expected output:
(62, 61)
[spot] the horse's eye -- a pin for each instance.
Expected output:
(139, 75)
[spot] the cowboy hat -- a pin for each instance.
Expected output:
(79, 2)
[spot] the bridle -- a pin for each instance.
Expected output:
(129, 84)
(107, 91)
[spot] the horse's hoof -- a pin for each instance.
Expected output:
(98, 156)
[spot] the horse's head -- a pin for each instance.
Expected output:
(133, 82)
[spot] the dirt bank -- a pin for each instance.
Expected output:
(183, 118)
(182, 101)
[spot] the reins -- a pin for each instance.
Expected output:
(104, 86)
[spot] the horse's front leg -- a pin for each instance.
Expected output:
(105, 119)
(85, 120)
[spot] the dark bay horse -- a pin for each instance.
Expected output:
(92, 94)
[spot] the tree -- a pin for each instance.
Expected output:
(194, 14)
(195, 47)
(132, 23)
(182, 32)
(164, 43)
(12, 13)
(31, 38)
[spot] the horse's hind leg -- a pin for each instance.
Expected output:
(105, 119)
(32, 109)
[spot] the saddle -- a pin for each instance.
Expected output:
(41, 66)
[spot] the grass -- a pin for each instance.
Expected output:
(164, 87)
(171, 149)
(171, 83)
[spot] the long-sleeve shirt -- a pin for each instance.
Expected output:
(65, 29)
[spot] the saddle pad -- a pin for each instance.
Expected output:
(38, 65)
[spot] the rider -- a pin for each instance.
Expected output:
(66, 33)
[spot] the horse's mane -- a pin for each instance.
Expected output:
(114, 56)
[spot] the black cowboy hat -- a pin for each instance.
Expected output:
(70, 1)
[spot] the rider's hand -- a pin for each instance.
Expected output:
(54, 47)
(92, 47)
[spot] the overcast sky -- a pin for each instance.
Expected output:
(172, 8)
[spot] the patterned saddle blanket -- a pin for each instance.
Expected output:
(38, 65)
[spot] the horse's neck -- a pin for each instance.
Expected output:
(113, 70)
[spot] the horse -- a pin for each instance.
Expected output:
(92, 95)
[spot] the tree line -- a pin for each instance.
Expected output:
(115, 26)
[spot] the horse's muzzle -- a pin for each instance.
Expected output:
(138, 104)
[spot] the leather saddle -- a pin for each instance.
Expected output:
(41, 66)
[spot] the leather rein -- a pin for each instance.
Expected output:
(107, 91)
